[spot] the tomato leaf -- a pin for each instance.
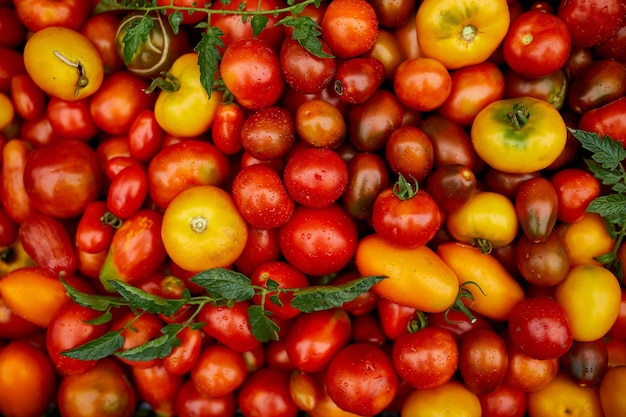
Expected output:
(261, 326)
(307, 33)
(98, 348)
(109, 5)
(612, 207)
(175, 19)
(320, 297)
(93, 301)
(142, 300)
(104, 318)
(606, 175)
(258, 23)
(224, 284)
(209, 56)
(136, 34)
(155, 348)
(606, 151)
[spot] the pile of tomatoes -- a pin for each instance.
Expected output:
(426, 141)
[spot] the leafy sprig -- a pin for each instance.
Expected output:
(305, 30)
(223, 287)
(606, 163)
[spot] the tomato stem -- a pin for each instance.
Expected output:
(518, 116)
(404, 190)
(110, 219)
(417, 323)
(484, 245)
(198, 224)
(7, 254)
(166, 82)
(460, 306)
(82, 80)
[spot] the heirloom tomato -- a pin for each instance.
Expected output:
(452, 398)
(63, 63)
(367, 176)
(410, 152)
(586, 239)
(372, 122)
(598, 84)
(613, 383)
(320, 123)
(451, 142)
(519, 135)
(182, 94)
(416, 277)
(543, 263)
(461, 33)
(356, 79)
(536, 205)
(591, 22)
(451, 186)
(586, 362)
(202, 229)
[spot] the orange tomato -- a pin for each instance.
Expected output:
(499, 291)
(564, 398)
(612, 390)
(586, 239)
(450, 399)
(416, 277)
(202, 229)
(422, 84)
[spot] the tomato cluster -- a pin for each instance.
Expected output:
(432, 144)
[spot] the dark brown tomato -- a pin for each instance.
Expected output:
(268, 133)
(552, 88)
(410, 152)
(372, 122)
(586, 362)
(614, 47)
(544, 263)
(356, 79)
(483, 360)
(536, 207)
(505, 183)
(451, 186)
(598, 84)
(304, 72)
(367, 177)
(320, 123)
(579, 58)
(393, 13)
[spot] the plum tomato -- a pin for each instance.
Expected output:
(586, 362)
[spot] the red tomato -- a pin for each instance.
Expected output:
(591, 23)
(190, 403)
(303, 71)
(127, 191)
(28, 99)
(286, 276)
(229, 325)
(483, 360)
(504, 401)
(95, 228)
(261, 246)
(367, 176)
(71, 119)
(219, 371)
(38, 14)
(575, 189)
(349, 27)
(268, 133)
(422, 83)
(145, 136)
(157, 387)
(267, 383)
(137, 330)
(12, 31)
(183, 357)
(356, 79)
(226, 129)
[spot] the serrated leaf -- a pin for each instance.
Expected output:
(172, 329)
(136, 33)
(197, 326)
(606, 151)
(209, 56)
(274, 298)
(605, 175)
(271, 284)
(98, 348)
(261, 326)
(606, 258)
(307, 33)
(175, 19)
(224, 284)
(155, 348)
(103, 318)
(258, 23)
(316, 298)
(143, 300)
(611, 207)
(93, 301)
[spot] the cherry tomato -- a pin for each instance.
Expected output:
(451, 186)
(229, 325)
(263, 384)
(372, 122)
(349, 27)
(189, 402)
(285, 276)
(127, 191)
(586, 362)
(219, 371)
(483, 360)
(544, 264)
(356, 79)
(422, 84)
(563, 397)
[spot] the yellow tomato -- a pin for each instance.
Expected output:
(500, 291)
(6, 111)
(416, 277)
(450, 399)
(612, 389)
(185, 109)
(459, 33)
(564, 398)
(488, 220)
(586, 239)
(202, 229)
(591, 296)
(64, 63)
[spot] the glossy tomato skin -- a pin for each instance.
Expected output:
(189, 402)
(71, 119)
(70, 14)
(591, 23)
(226, 128)
(536, 205)
(586, 362)
(285, 276)
(95, 228)
(504, 401)
(219, 371)
(128, 191)
(575, 189)
(145, 136)
(62, 177)
(483, 360)
(367, 176)
(28, 99)
(261, 246)
(229, 325)
(356, 79)
(545, 263)
(596, 85)
(303, 71)
(268, 382)
(318, 241)
(183, 357)
(157, 387)
(349, 27)
(552, 88)
(451, 186)
(372, 122)
(410, 152)
(606, 120)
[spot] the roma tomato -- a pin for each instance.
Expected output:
(157, 387)
(95, 228)
(127, 191)
(15, 199)
(226, 127)
(202, 229)
(372, 122)
(459, 34)
(598, 84)
(183, 357)
(536, 205)
(145, 136)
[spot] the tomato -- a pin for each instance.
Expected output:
(591, 297)
(265, 393)
(268, 133)
(536, 205)
(586, 362)
(451, 142)
(226, 127)
(598, 84)
(95, 228)
(405, 215)
(519, 135)
(586, 239)
(71, 119)
(410, 152)
(261, 246)
(545, 263)
(504, 401)
(11, 64)
(575, 188)
(100, 29)
(229, 325)
(285, 276)
(451, 186)
(563, 397)
(367, 176)
(28, 99)
(318, 240)
(26, 370)
(606, 120)
(13, 326)
(487, 220)
(422, 83)
(12, 29)
(533, 36)
(8, 112)
(349, 27)
(591, 23)
(458, 323)
(372, 122)
(612, 383)
(102, 390)
(483, 360)
(459, 34)
(62, 177)
(251, 71)
(356, 79)
(189, 402)
(552, 88)
(410, 271)
(192, 235)
(525, 372)
(396, 319)
(127, 191)
(315, 338)
(183, 357)
(72, 71)
(145, 136)
(452, 397)
(361, 379)
(320, 123)
(157, 387)
(36, 14)
(219, 371)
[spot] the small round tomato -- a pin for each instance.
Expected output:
(586, 362)
(320, 123)
(202, 229)
(453, 396)
(267, 383)
(286, 276)
(349, 27)
(261, 246)
(545, 263)
(575, 189)
(268, 133)
(71, 119)
(410, 152)
(586, 239)
(356, 79)
(372, 122)
(451, 186)
(303, 71)
(229, 325)
(219, 371)
(483, 360)
(63, 63)
(422, 84)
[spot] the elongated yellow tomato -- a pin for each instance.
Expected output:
(202, 229)
(184, 108)
(416, 277)
(63, 63)
(459, 33)
(488, 220)
(562, 397)
(500, 291)
(586, 239)
(450, 399)
(519, 135)
(591, 296)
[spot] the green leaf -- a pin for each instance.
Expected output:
(136, 34)
(197, 325)
(95, 302)
(606, 151)
(261, 326)
(316, 298)
(209, 56)
(606, 258)
(172, 329)
(107, 6)
(307, 33)
(611, 207)
(104, 318)
(224, 284)
(175, 19)
(258, 23)
(98, 348)
(143, 300)
(155, 348)
(606, 175)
